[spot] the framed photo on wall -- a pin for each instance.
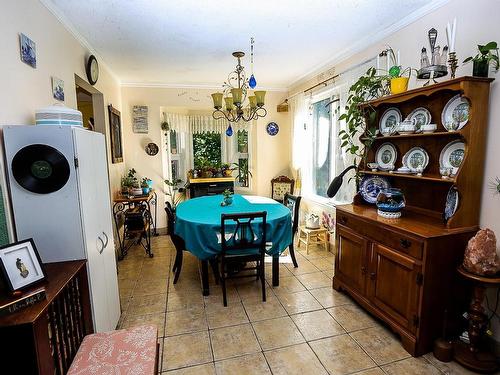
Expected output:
(21, 265)
(116, 135)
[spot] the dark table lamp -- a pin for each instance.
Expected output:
(337, 182)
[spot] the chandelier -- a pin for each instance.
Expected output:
(239, 102)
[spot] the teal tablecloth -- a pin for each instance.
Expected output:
(198, 223)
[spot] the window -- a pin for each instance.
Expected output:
(207, 149)
(242, 157)
(322, 170)
(176, 156)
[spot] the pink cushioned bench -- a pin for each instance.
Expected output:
(126, 351)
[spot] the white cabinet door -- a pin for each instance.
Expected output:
(103, 203)
(91, 223)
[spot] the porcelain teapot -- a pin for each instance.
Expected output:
(312, 221)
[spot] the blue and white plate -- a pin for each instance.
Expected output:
(370, 186)
(272, 128)
(451, 203)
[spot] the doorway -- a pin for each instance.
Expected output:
(90, 102)
(86, 107)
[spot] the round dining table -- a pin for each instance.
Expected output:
(198, 222)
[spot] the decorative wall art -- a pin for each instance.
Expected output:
(58, 89)
(21, 264)
(140, 119)
(28, 50)
(116, 135)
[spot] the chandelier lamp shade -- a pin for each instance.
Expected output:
(236, 102)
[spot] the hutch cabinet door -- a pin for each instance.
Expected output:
(394, 286)
(352, 259)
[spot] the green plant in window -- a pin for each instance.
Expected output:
(243, 171)
(175, 192)
(206, 149)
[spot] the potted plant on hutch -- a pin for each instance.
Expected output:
(481, 62)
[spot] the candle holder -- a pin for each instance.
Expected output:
(453, 62)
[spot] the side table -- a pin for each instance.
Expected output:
(312, 237)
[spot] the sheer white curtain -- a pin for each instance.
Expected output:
(301, 155)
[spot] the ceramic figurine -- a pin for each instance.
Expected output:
(424, 59)
(436, 56)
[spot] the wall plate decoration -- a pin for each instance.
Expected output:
(152, 149)
(451, 206)
(452, 156)
(58, 89)
(116, 134)
(422, 116)
(370, 186)
(456, 111)
(140, 119)
(272, 128)
(28, 50)
(389, 120)
(92, 70)
(386, 156)
(415, 159)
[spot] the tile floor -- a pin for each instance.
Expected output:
(304, 328)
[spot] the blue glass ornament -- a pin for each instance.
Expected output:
(229, 131)
(252, 82)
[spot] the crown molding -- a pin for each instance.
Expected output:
(68, 25)
(162, 85)
(369, 40)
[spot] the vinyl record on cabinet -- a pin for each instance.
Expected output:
(40, 168)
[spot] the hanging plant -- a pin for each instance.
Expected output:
(360, 120)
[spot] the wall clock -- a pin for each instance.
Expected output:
(92, 70)
(272, 128)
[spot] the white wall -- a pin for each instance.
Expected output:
(477, 23)
(271, 156)
(59, 54)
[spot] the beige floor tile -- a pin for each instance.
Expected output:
(298, 302)
(157, 319)
(186, 350)
(185, 321)
(233, 341)
(323, 264)
(253, 364)
(411, 366)
(314, 280)
(381, 345)
(352, 317)
(127, 283)
(283, 272)
(251, 289)
(154, 275)
(276, 333)
(215, 297)
(219, 316)
(317, 324)
(181, 300)
(448, 368)
(329, 297)
(207, 369)
(289, 285)
(372, 371)
(294, 360)
(260, 310)
(304, 267)
(130, 273)
(156, 303)
(341, 355)
(329, 273)
(147, 288)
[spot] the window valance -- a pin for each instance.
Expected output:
(201, 123)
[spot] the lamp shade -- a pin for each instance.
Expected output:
(237, 94)
(229, 103)
(260, 95)
(253, 101)
(217, 98)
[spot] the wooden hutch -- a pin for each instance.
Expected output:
(403, 270)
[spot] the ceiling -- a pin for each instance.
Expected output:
(189, 42)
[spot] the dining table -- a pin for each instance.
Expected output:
(198, 223)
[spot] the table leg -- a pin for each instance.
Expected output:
(204, 278)
(276, 270)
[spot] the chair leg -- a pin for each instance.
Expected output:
(262, 279)
(178, 266)
(223, 283)
(292, 254)
(214, 263)
(176, 261)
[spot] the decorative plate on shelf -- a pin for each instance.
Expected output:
(451, 203)
(390, 120)
(152, 149)
(456, 111)
(415, 159)
(452, 155)
(272, 128)
(386, 156)
(422, 116)
(370, 186)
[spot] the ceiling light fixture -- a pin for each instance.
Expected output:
(236, 91)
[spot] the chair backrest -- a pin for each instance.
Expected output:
(245, 231)
(293, 203)
(178, 241)
(280, 186)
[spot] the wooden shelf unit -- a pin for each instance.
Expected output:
(404, 270)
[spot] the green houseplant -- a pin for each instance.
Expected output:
(228, 197)
(243, 171)
(488, 54)
(175, 192)
(129, 181)
(146, 185)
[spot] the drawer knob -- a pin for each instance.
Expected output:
(373, 275)
(343, 220)
(405, 244)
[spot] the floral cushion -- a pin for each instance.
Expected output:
(123, 352)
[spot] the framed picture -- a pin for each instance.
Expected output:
(116, 135)
(28, 50)
(21, 265)
(58, 88)
(140, 119)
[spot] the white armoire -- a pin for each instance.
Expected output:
(59, 188)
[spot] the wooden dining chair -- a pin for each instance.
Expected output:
(280, 186)
(293, 203)
(244, 243)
